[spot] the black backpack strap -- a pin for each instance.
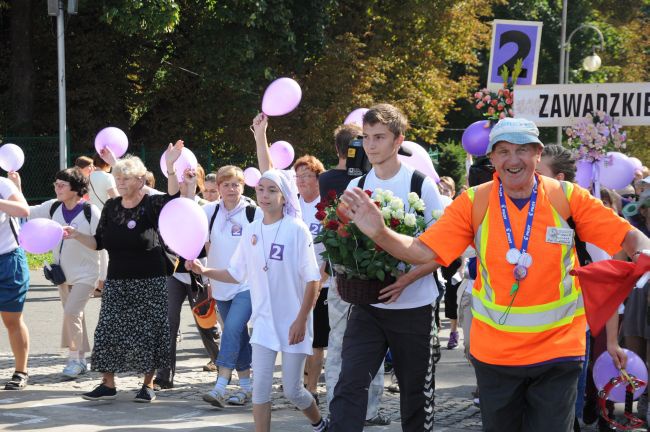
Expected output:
(581, 247)
(88, 212)
(250, 213)
(214, 216)
(362, 181)
(55, 205)
(417, 180)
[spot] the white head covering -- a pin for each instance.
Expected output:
(288, 189)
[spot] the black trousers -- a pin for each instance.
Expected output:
(370, 332)
(528, 399)
(177, 292)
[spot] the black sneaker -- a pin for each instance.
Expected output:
(18, 381)
(101, 392)
(145, 395)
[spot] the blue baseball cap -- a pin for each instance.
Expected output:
(514, 131)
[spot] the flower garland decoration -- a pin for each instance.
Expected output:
(594, 135)
(499, 105)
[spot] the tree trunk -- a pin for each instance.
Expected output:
(22, 68)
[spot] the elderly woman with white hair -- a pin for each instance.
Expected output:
(276, 256)
(132, 333)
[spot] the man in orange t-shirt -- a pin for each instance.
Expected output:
(528, 313)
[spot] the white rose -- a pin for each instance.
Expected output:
(409, 219)
(378, 194)
(418, 205)
(436, 214)
(386, 212)
(398, 214)
(396, 204)
(413, 198)
(388, 194)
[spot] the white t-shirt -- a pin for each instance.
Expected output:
(7, 239)
(423, 291)
(225, 236)
(79, 264)
(308, 211)
(277, 294)
(100, 183)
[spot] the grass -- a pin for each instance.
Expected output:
(36, 261)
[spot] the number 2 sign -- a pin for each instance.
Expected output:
(513, 40)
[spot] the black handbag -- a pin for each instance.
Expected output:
(54, 273)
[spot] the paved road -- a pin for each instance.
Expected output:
(52, 403)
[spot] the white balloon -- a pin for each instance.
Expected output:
(419, 160)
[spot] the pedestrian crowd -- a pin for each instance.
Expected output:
(498, 255)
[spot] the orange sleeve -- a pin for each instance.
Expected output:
(596, 223)
(453, 232)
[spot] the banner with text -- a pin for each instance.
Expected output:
(563, 104)
(511, 41)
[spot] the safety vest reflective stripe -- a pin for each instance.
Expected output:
(530, 319)
(527, 319)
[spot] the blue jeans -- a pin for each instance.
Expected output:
(235, 352)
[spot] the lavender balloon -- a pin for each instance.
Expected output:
(419, 160)
(356, 117)
(476, 138)
(12, 157)
(616, 171)
(604, 370)
(584, 173)
(185, 160)
(282, 154)
(40, 235)
(636, 163)
(184, 227)
(281, 97)
(252, 176)
(112, 138)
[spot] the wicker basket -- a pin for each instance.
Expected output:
(359, 291)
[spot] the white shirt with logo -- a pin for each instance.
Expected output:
(423, 291)
(286, 248)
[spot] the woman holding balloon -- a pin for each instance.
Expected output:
(14, 280)
(132, 333)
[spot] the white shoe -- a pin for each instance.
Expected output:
(74, 368)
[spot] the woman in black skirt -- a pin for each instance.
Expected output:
(132, 333)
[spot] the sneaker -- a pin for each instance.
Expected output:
(162, 384)
(215, 399)
(210, 367)
(380, 419)
(453, 340)
(101, 392)
(145, 395)
(74, 368)
(18, 381)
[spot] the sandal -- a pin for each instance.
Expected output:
(239, 398)
(18, 381)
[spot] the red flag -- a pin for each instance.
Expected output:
(605, 284)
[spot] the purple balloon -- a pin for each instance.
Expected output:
(604, 370)
(616, 171)
(476, 138)
(636, 163)
(184, 227)
(281, 97)
(12, 157)
(40, 235)
(185, 160)
(252, 176)
(282, 154)
(584, 173)
(419, 160)
(113, 138)
(356, 117)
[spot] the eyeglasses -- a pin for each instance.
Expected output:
(60, 185)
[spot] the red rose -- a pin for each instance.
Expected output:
(320, 215)
(494, 102)
(331, 194)
(368, 192)
(506, 92)
(500, 107)
(332, 225)
(342, 232)
(394, 223)
(321, 206)
(377, 203)
(480, 105)
(509, 101)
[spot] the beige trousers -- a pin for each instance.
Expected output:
(74, 335)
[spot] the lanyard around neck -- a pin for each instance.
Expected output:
(529, 218)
